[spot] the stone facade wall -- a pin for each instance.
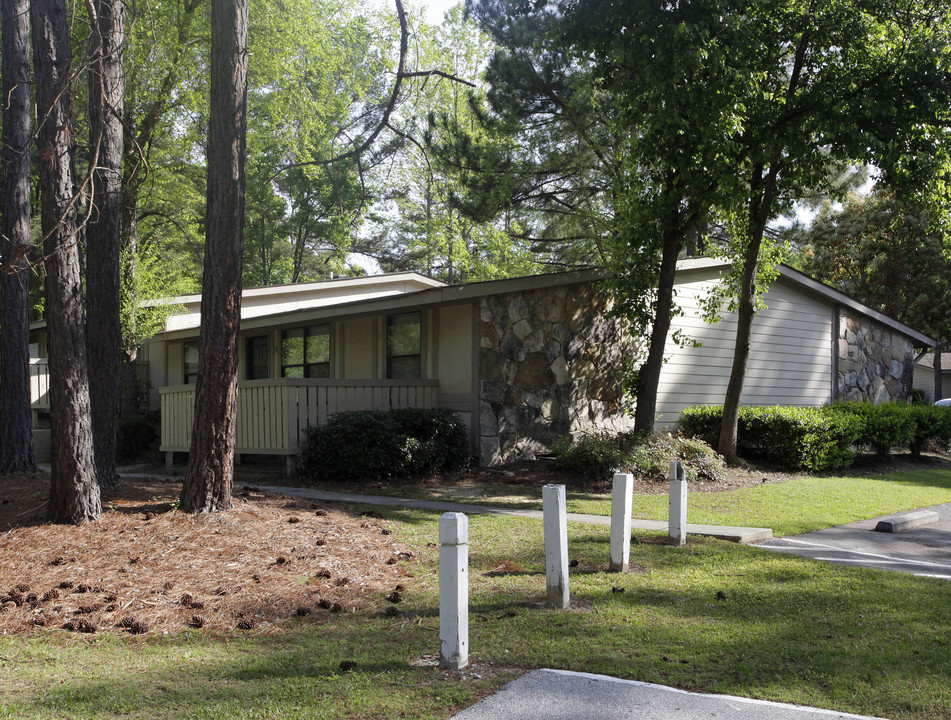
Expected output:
(874, 363)
(550, 365)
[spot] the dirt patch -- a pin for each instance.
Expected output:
(145, 567)
(535, 473)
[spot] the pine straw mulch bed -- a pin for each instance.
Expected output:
(144, 567)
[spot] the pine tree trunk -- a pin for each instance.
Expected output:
(74, 492)
(208, 477)
(650, 371)
(104, 231)
(16, 415)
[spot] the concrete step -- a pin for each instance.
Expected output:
(907, 521)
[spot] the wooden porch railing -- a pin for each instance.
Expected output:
(39, 384)
(273, 414)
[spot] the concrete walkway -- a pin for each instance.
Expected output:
(735, 534)
(562, 695)
(721, 532)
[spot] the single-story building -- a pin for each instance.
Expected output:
(924, 375)
(522, 361)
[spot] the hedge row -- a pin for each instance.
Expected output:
(372, 445)
(795, 438)
(896, 425)
(819, 439)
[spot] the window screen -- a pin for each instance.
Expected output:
(305, 352)
(403, 347)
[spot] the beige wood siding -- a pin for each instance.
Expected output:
(454, 342)
(359, 348)
(272, 415)
(455, 349)
(924, 380)
(790, 359)
(154, 353)
(175, 363)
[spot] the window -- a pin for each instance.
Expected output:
(403, 347)
(305, 352)
(191, 362)
(256, 359)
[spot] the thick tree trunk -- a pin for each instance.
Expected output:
(74, 492)
(16, 415)
(650, 370)
(210, 470)
(104, 231)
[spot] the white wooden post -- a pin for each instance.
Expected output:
(554, 509)
(677, 525)
(453, 591)
(622, 496)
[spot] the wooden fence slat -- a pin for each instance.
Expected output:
(274, 416)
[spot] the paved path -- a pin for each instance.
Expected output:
(723, 532)
(736, 534)
(561, 695)
(920, 551)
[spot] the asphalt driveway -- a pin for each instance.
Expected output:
(924, 550)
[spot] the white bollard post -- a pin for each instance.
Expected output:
(677, 525)
(554, 509)
(622, 495)
(453, 591)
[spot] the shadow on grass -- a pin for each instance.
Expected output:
(296, 672)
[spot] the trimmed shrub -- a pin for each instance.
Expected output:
(373, 445)
(595, 457)
(811, 439)
(932, 425)
(884, 426)
(702, 422)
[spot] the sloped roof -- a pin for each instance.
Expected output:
(817, 289)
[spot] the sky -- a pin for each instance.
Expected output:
(435, 9)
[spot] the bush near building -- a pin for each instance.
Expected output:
(376, 444)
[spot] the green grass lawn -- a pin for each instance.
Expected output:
(789, 629)
(801, 505)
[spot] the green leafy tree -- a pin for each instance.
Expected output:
(321, 70)
(846, 81)
(731, 109)
(416, 225)
(163, 185)
(888, 253)
(672, 72)
(538, 154)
